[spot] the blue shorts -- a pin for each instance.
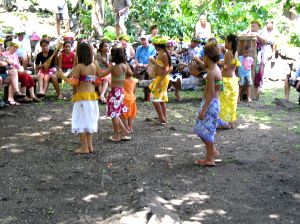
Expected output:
(245, 81)
(4, 76)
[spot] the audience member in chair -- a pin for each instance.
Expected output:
(292, 80)
(46, 72)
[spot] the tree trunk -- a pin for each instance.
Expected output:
(98, 17)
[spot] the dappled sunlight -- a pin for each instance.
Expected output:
(57, 128)
(176, 134)
(198, 146)
(13, 148)
(8, 146)
(67, 122)
(89, 198)
(36, 134)
(162, 156)
(167, 148)
(296, 196)
(44, 118)
(243, 126)
(274, 216)
(264, 127)
(201, 214)
(16, 151)
(104, 117)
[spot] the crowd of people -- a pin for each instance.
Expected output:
(109, 72)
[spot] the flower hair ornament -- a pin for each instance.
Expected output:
(160, 40)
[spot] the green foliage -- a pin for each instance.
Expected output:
(86, 20)
(177, 18)
(109, 33)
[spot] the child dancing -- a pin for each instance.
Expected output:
(129, 101)
(159, 87)
(207, 114)
(115, 106)
(85, 113)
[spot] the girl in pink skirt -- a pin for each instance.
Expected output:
(115, 105)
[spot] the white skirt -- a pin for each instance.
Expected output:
(85, 116)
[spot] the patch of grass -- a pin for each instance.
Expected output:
(230, 160)
(296, 147)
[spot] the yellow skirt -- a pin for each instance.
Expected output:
(228, 99)
(159, 93)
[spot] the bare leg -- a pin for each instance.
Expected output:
(210, 158)
(90, 142)
(84, 146)
(159, 111)
(164, 110)
(46, 83)
(249, 94)
(56, 86)
(67, 25)
(286, 89)
(125, 122)
(58, 27)
(118, 31)
(130, 121)
(41, 83)
(240, 93)
(116, 126)
(103, 90)
(177, 89)
(14, 80)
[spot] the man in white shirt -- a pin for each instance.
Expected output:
(203, 28)
(24, 50)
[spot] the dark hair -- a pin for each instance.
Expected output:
(212, 39)
(153, 27)
(101, 45)
(233, 39)
(164, 48)
(84, 54)
(247, 48)
(44, 41)
(212, 51)
(67, 42)
(118, 55)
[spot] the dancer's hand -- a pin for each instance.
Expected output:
(201, 115)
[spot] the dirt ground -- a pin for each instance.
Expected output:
(151, 176)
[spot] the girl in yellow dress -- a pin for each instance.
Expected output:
(229, 97)
(159, 86)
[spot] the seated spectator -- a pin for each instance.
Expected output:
(26, 80)
(143, 52)
(24, 50)
(46, 70)
(130, 53)
(103, 58)
(292, 80)
(66, 59)
(175, 76)
(9, 76)
(192, 50)
(203, 29)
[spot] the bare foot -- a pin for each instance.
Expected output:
(205, 162)
(216, 153)
(114, 139)
(249, 100)
(81, 151)
(91, 149)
